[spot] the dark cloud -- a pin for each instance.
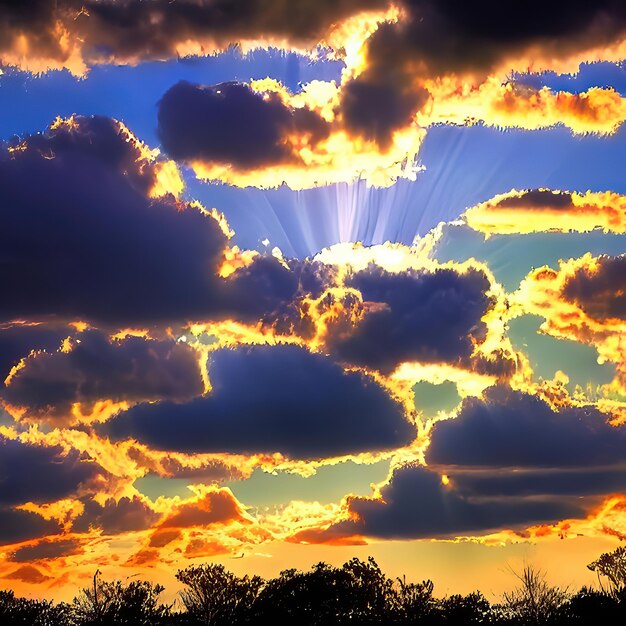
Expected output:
(82, 240)
(19, 340)
(47, 549)
(510, 461)
(35, 20)
(600, 290)
(513, 429)
(374, 109)
(29, 574)
(39, 473)
(436, 38)
(17, 525)
(127, 29)
(273, 399)
(115, 516)
(415, 316)
(230, 123)
(285, 310)
(451, 36)
(539, 482)
(417, 504)
(98, 368)
(130, 31)
(537, 199)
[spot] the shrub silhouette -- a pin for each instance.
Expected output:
(534, 601)
(24, 612)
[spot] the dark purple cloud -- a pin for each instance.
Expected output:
(539, 481)
(115, 516)
(39, 473)
(420, 316)
(375, 108)
(537, 199)
(46, 549)
(513, 429)
(19, 340)
(273, 399)
(82, 240)
(17, 525)
(126, 30)
(98, 368)
(417, 504)
(230, 123)
(600, 291)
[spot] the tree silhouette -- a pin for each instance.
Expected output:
(612, 565)
(112, 603)
(214, 596)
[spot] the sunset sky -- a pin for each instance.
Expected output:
(296, 281)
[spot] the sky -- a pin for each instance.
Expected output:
(282, 287)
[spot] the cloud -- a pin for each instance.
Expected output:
(543, 210)
(260, 134)
(583, 300)
(96, 368)
(375, 109)
(416, 504)
(40, 473)
(230, 123)
(507, 460)
(47, 550)
(409, 65)
(539, 481)
(217, 506)
(415, 315)
(19, 340)
(515, 429)
(599, 289)
(17, 526)
(115, 516)
(122, 259)
(441, 38)
(210, 471)
(76, 33)
(128, 258)
(273, 399)
(28, 574)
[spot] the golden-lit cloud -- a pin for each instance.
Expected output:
(593, 318)
(512, 105)
(544, 210)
